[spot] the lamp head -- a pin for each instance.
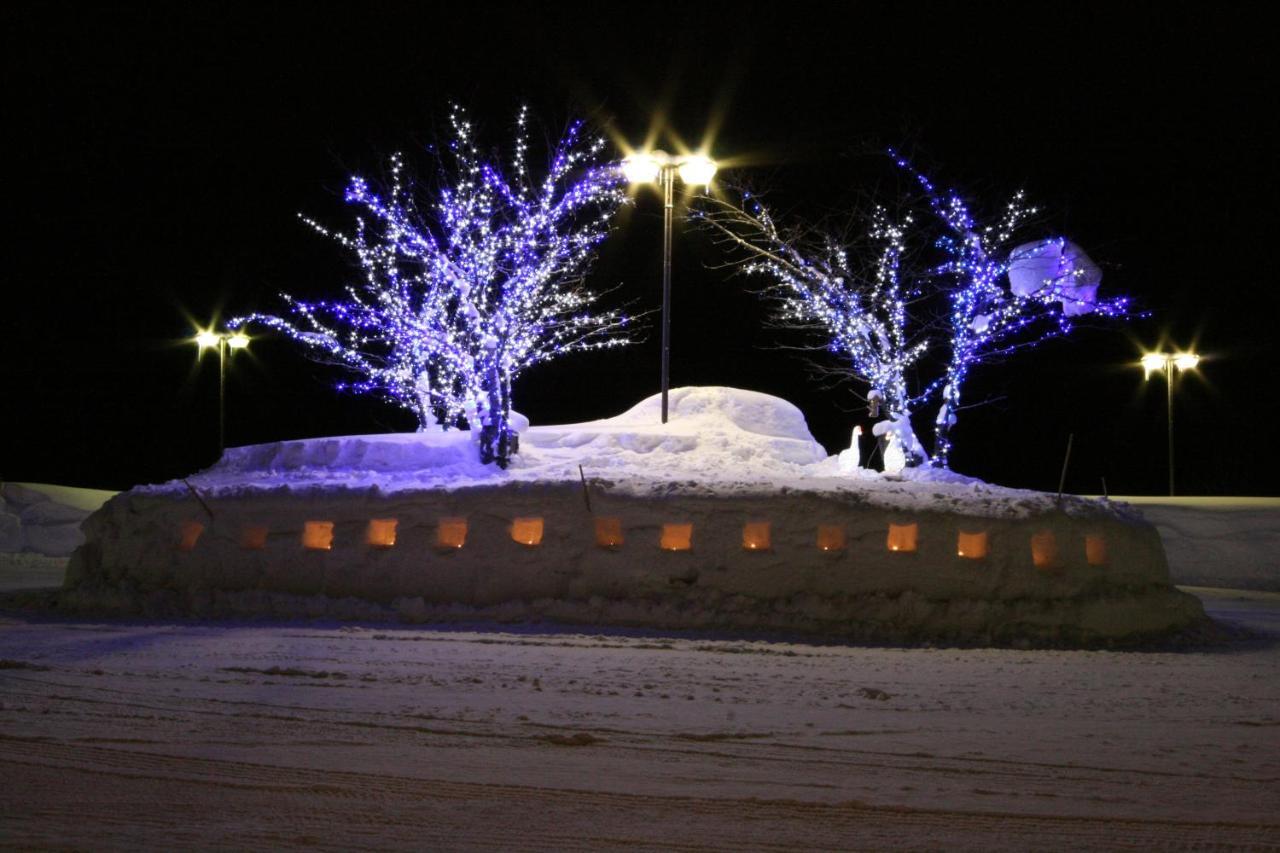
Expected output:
(1153, 361)
(697, 170)
(641, 168)
(1186, 361)
(207, 339)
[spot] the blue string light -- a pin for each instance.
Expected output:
(460, 295)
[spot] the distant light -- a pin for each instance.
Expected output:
(641, 168)
(1153, 361)
(207, 339)
(238, 340)
(697, 170)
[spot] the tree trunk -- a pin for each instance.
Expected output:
(497, 442)
(945, 423)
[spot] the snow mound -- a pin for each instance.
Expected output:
(43, 519)
(713, 433)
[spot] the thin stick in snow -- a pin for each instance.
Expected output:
(1066, 460)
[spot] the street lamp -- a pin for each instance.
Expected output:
(233, 341)
(1153, 362)
(694, 170)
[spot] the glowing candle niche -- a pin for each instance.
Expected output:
(191, 531)
(831, 537)
(381, 533)
(527, 531)
(902, 537)
(677, 537)
(253, 537)
(317, 535)
(972, 546)
(451, 532)
(609, 532)
(1095, 550)
(1044, 549)
(755, 536)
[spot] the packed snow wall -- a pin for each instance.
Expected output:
(790, 560)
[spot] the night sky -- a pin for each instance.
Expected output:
(157, 157)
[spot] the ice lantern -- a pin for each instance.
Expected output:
(1095, 550)
(677, 537)
(381, 533)
(191, 531)
(972, 546)
(831, 537)
(1044, 549)
(317, 535)
(902, 537)
(609, 532)
(755, 536)
(451, 532)
(253, 537)
(527, 531)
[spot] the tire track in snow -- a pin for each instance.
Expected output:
(112, 798)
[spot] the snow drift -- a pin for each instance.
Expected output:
(40, 519)
(730, 516)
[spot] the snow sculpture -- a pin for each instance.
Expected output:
(850, 459)
(901, 443)
(894, 458)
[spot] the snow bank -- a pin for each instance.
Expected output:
(43, 519)
(1221, 542)
(771, 536)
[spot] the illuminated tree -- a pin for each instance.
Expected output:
(1000, 297)
(461, 292)
(820, 282)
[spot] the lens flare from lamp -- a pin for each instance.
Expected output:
(1152, 362)
(640, 168)
(697, 170)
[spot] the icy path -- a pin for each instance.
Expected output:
(266, 736)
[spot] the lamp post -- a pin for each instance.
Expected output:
(694, 170)
(1166, 362)
(233, 341)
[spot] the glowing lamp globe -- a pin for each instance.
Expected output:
(1153, 361)
(1186, 361)
(697, 170)
(640, 168)
(206, 340)
(238, 341)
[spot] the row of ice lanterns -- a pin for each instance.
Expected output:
(451, 533)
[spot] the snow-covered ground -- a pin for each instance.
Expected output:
(198, 734)
(1218, 541)
(238, 735)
